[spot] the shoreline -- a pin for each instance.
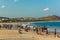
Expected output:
(30, 21)
(21, 23)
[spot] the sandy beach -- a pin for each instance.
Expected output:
(14, 35)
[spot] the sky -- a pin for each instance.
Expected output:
(29, 8)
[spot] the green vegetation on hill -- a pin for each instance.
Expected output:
(50, 18)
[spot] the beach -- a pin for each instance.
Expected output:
(29, 19)
(14, 35)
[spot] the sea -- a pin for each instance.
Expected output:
(50, 25)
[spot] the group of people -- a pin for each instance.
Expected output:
(38, 29)
(10, 26)
(26, 29)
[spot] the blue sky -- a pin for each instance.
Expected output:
(29, 8)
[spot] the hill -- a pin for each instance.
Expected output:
(50, 18)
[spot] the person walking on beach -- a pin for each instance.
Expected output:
(55, 32)
(46, 32)
(34, 28)
(0, 26)
(37, 31)
(11, 26)
(26, 28)
(20, 31)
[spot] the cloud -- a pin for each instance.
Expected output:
(46, 9)
(3, 6)
(15, 0)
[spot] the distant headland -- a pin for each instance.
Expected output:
(30, 19)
